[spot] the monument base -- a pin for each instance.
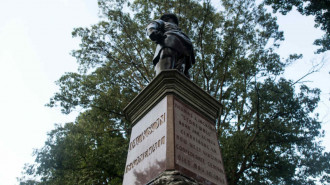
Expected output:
(173, 139)
(173, 177)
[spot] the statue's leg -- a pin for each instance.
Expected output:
(186, 69)
(166, 61)
(180, 64)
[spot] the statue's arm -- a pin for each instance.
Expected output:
(155, 31)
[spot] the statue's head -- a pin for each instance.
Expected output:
(170, 16)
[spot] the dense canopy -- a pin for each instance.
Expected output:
(268, 131)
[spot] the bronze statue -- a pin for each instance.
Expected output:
(174, 48)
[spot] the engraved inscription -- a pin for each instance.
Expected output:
(196, 145)
(145, 154)
(149, 130)
(146, 157)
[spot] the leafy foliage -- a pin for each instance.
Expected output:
(319, 9)
(267, 130)
(89, 152)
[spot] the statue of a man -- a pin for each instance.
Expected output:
(174, 48)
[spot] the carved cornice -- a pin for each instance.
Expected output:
(172, 82)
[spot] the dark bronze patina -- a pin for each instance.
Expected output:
(174, 49)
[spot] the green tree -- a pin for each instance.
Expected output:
(319, 9)
(88, 152)
(267, 130)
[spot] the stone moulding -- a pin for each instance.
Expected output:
(172, 82)
(173, 177)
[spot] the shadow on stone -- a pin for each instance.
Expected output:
(149, 173)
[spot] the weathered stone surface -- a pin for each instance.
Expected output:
(173, 178)
(197, 152)
(146, 157)
(173, 139)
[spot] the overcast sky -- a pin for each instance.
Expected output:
(35, 42)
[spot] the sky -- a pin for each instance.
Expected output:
(35, 46)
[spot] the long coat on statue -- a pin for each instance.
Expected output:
(173, 38)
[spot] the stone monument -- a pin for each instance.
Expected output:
(173, 138)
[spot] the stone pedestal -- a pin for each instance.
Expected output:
(173, 134)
